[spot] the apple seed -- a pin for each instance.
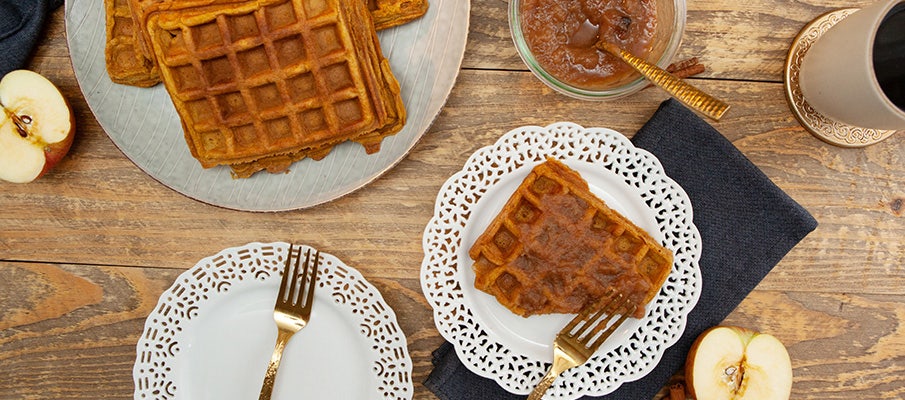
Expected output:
(20, 126)
(20, 122)
(732, 375)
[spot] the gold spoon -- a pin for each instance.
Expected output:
(689, 95)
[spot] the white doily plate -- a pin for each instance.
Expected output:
(514, 351)
(212, 334)
(425, 56)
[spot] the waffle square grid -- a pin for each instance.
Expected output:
(271, 77)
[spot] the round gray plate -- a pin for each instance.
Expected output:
(425, 56)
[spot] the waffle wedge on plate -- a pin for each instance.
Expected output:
(260, 84)
(555, 246)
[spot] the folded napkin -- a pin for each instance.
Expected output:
(747, 225)
(21, 25)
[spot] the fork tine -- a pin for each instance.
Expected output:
(603, 309)
(293, 289)
(595, 325)
(584, 320)
(584, 315)
(287, 273)
(625, 313)
(310, 286)
(303, 278)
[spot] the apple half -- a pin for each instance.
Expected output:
(734, 363)
(36, 126)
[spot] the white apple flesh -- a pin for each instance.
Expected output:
(735, 363)
(36, 126)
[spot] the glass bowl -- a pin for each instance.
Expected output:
(670, 15)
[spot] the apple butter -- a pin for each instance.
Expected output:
(557, 32)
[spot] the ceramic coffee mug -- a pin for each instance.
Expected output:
(839, 73)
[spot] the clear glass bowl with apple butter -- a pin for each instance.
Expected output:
(556, 40)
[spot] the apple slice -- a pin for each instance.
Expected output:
(733, 363)
(36, 126)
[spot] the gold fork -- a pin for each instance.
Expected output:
(292, 309)
(575, 343)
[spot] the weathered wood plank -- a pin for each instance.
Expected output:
(86, 251)
(71, 330)
(98, 208)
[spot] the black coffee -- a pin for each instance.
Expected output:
(889, 55)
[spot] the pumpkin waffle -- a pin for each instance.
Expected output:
(390, 13)
(555, 247)
(130, 62)
(261, 84)
(126, 61)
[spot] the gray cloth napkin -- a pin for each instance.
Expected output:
(747, 226)
(21, 26)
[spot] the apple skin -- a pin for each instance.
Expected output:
(29, 153)
(735, 363)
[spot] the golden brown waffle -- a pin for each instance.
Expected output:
(261, 84)
(386, 13)
(555, 247)
(389, 13)
(126, 61)
(130, 61)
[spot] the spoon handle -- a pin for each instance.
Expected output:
(684, 92)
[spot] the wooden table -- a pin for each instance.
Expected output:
(86, 251)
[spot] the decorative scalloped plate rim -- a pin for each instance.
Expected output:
(514, 351)
(212, 333)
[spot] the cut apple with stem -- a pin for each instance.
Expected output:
(734, 363)
(36, 126)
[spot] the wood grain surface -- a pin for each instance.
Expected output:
(86, 251)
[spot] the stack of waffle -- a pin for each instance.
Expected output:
(129, 60)
(555, 247)
(260, 84)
